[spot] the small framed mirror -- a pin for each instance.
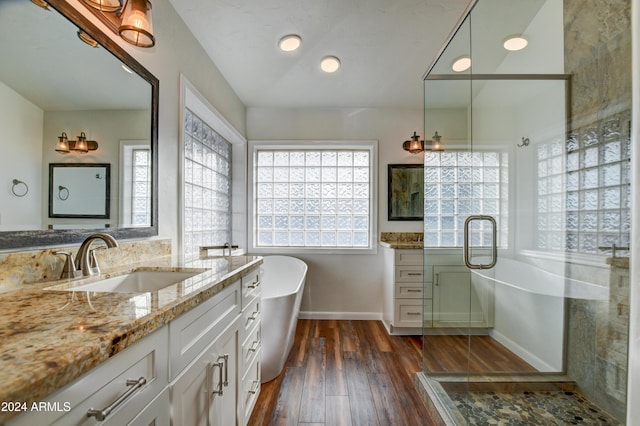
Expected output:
(79, 190)
(406, 192)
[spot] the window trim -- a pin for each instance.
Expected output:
(191, 98)
(370, 145)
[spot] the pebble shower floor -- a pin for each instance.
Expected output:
(530, 408)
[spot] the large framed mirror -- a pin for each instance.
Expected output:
(52, 84)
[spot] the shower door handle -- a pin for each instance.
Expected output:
(494, 243)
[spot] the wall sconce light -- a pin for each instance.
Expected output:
(416, 146)
(65, 146)
(131, 19)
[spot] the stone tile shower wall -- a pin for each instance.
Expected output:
(598, 57)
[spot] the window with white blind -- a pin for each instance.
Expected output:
(309, 196)
(207, 186)
(459, 184)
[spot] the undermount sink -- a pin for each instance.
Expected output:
(135, 282)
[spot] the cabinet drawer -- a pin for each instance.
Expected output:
(251, 286)
(413, 290)
(409, 273)
(103, 385)
(191, 332)
(250, 389)
(409, 312)
(250, 317)
(250, 347)
(409, 257)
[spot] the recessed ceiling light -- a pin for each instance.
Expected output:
(289, 43)
(330, 64)
(127, 69)
(462, 63)
(515, 42)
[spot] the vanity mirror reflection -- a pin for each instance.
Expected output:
(52, 82)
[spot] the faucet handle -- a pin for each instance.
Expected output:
(93, 261)
(69, 269)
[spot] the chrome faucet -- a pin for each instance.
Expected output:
(84, 256)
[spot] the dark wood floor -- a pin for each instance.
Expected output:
(474, 354)
(354, 373)
(345, 373)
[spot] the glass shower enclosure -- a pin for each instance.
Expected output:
(527, 215)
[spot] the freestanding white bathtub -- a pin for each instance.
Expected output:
(529, 308)
(283, 279)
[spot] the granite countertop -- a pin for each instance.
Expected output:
(402, 240)
(51, 337)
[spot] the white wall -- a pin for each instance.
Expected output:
(21, 124)
(346, 285)
(106, 127)
(177, 52)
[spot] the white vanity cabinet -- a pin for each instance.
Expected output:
(107, 383)
(205, 392)
(459, 303)
(251, 342)
(203, 368)
(214, 352)
(204, 359)
(407, 291)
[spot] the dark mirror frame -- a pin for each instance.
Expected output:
(107, 190)
(28, 240)
(399, 195)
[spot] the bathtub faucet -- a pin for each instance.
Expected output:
(204, 250)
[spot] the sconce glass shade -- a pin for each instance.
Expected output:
(104, 5)
(63, 144)
(81, 143)
(435, 143)
(136, 27)
(415, 145)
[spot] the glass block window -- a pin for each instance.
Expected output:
(458, 184)
(141, 187)
(207, 186)
(313, 198)
(584, 198)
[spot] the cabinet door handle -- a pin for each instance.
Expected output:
(414, 313)
(414, 290)
(255, 385)
(414, 274)
(134, 385)
(254, 346)
(254, 284)
(254, 316)
(220, 363)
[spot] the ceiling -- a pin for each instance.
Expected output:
(385, 47)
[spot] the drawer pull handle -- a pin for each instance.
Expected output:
(221, 362)
(255, 385)
(414, 274)
(254, 284)
(254, 316)
(134, 385)
(414, 290)
(413, 313)
(254, 346)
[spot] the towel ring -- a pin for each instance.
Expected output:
(63, 193)
(17, 183)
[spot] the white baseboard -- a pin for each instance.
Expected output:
(523, 353)
(340, 315)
